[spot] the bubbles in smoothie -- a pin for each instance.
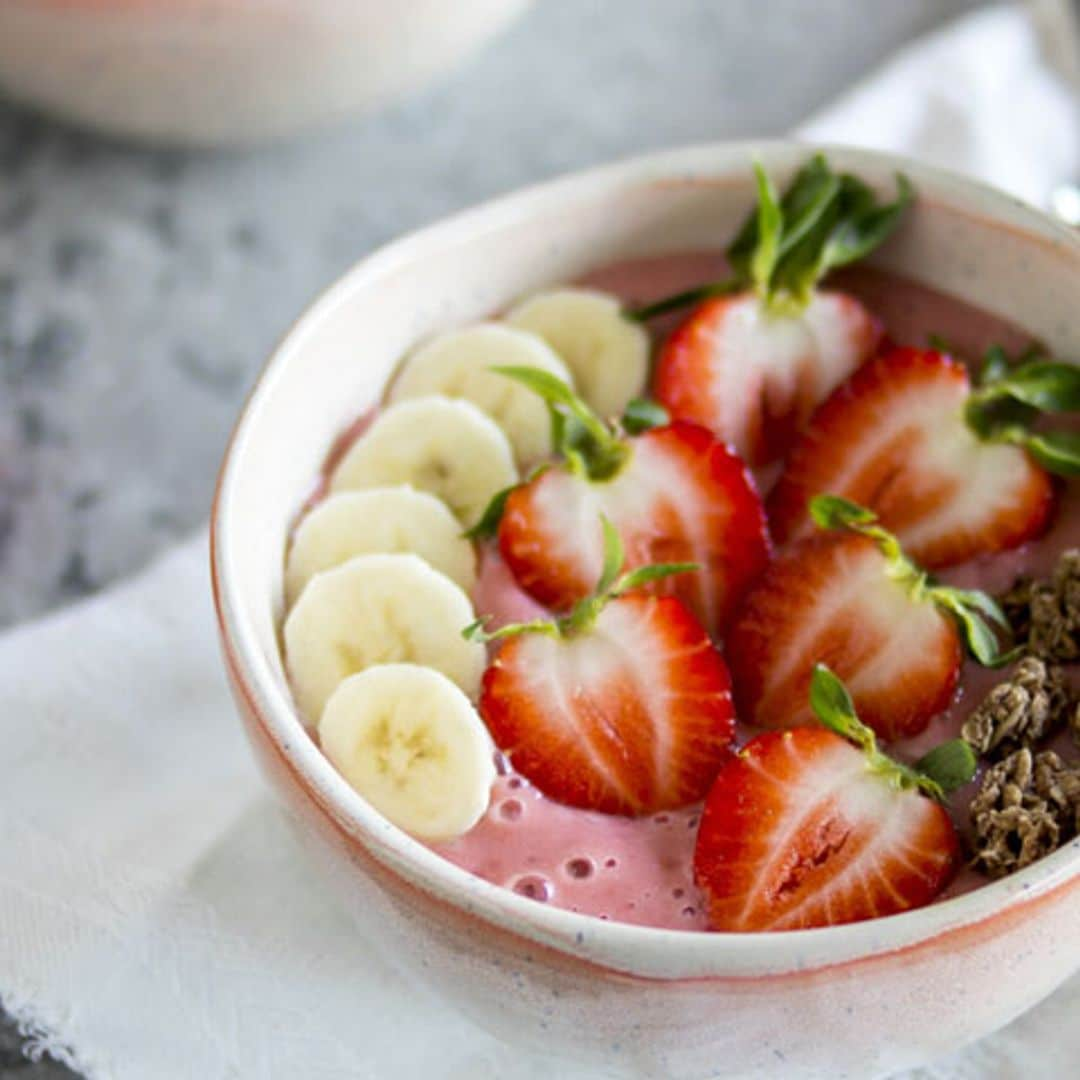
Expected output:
(610, 864)
(579, 868)
(678, 893)
(510, 810)
(689, 911)
(514, 782)
(502, 765)
(535, 887)
(662, 819)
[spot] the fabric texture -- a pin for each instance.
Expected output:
(157, 917)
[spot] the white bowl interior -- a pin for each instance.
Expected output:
(961, 238)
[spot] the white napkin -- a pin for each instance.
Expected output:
(157, 919)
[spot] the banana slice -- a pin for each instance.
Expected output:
(607, 353)
(379, 520)
(409, 741)
(449, 448)
(459, 364)
(377, 609)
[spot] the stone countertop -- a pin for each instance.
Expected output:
(140, 289)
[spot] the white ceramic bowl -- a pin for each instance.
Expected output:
(863, 999)
(217, 71)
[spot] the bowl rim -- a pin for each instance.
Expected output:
(632, 949)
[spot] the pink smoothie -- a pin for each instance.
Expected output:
(640, 870)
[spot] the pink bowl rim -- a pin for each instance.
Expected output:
(636, 950)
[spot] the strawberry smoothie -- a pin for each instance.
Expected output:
(639, 870)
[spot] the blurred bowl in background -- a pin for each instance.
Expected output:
(231, 71)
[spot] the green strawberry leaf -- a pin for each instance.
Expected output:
(614, 556)
(475, 630)
(982, 602)
(832, 705)
(1056, 451)
(770, 226)
(487, 528)
(784, 247)
(643, 415)
(950, 765)
(866, 226)
(1011, 397)
(969, 608)
(836, 512)
(588, 444)
(643, 575)
(1046, 385)
(806, 201)
(686, 298)
(995, 365)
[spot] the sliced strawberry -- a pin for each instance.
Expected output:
(679, 496)
(799, 831)
(852, 601)
(896, 438)
(814, 827)
(753, 376)
(623, 706)
(753, 361)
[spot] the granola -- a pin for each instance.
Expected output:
(1021, 711)
(1016, 605)
(1027, 806)
(1054, 610)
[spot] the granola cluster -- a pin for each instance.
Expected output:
(1047, 614)
(1032, 704)
(1028, 805)
(1029, 801)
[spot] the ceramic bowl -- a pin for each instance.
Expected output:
(224, 71)
(862, 999)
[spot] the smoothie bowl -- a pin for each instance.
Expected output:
(695, 695)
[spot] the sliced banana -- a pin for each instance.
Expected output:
(410, 742)
(377, 609)
(447, 447)
(379, 520)
(607, 353)
(458, 365)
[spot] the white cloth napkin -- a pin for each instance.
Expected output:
(156, 919)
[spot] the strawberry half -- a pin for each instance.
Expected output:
(623, 706)
(752, 363)
(816, 827)
(755, 378)
(953, 471)
(852, 600)
(674, 493)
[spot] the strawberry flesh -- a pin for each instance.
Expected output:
(754, 377)
(894, 439)
(798, 831)
(630, 717)
(830, 600)
(681, 497)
